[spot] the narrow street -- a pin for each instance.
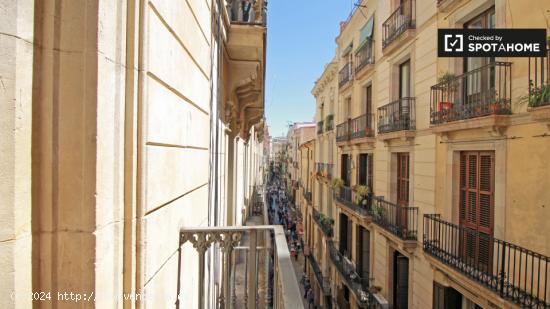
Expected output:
(279, 206)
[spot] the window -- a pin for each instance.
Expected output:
(363, 254)
(479, 85)
(403, 179)
(368, 99)
(446, 297)
(345, 171)
(400, 281)
(364, 174)
(476, 206)
(405, 79)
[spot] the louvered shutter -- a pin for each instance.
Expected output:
(370, 172)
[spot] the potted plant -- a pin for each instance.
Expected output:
(537, 96)
(449, 81)
(362, 194)
(337, 183)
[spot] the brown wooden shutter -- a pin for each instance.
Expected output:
(476, 206)
(370, 165)
(403, 179)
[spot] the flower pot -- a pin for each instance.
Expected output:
(442, 106)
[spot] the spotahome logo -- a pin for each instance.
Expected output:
(491, 42)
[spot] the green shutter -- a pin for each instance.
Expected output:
(366, 33)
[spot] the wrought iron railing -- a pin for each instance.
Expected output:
(329, 169)
(256, 249)
(513, 272)
(343, 131)
(347, 198)
(359, 285)
(401, 221)
(400, 20)
(344, 76)
(539, 80)
(248, 12)
(329, 123)
(362, 126)
(322, 280)
(365, 55)
(397, 116)
(481, 92)
(325, 223)
(320, 127)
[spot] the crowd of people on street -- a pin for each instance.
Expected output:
(281, 212)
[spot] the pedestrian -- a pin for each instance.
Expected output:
(293, 252)
(310, 297)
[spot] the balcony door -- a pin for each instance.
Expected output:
(404, 93)
(345, 235)
(400, 281)
(477, 207)
(403, 173)
(346, 170)
(364, 174)
(480, 83)
(363, 254)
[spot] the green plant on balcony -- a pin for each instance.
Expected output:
(362, 192)
(538, 96)
(377, 210)
(337, 183)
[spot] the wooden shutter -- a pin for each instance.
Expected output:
(349, 237)
(363, 251)
(343, 231)
(370, 166)
(403, 179)
(401, 283)
(477, 206)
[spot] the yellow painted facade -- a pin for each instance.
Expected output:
(422, 137)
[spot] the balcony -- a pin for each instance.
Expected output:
(478, 93)
(345, 74)
(329, 123)
(245, 13)
(401, 20)
(320, 127)
(246, 51)
(322, 280)
(401, 221)
(325, 223)
(514, 273)
(364, 56)
(538, 97)
(343, 131)
(346, 197)
(359, 286)
(397, 116)
(256, 249)
(324, 169)
(362, 126)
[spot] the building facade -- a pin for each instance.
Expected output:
(439, 175)
(125, 124)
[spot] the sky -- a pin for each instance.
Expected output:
(300, 41)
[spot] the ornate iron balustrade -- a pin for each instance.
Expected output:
(539, 80)
(248, 13)
(513, 272)
(397, 116)
(359, 286)
(325, 223)
(320, 127)
(262, 248)
(322, 280)
(329, 169)
(329, 123)
(344, 76)
(343, 131)
(399, 220)
(365, 55)
(362, 126)
(481, 92)
(400, 20)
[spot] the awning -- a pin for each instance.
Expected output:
(366, 33)
(347, 50)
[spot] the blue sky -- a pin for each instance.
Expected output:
(301, 36)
